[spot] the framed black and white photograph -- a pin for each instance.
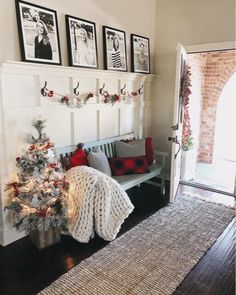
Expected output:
(140, 54)
(82, 42)
(38, 33)
(115, 57)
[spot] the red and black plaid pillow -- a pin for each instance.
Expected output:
(124, 166)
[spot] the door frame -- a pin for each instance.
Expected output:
(198, 48)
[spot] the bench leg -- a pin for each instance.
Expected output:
(161, 185)
(163, 188)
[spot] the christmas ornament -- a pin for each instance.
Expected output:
(37, 199)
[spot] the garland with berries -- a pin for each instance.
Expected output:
(187, 139)
(83, 99)
(125, 95)
(65, 99)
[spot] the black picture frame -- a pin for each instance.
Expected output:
(140, 54)
(115, 55)
(82, 42)
(38, 33)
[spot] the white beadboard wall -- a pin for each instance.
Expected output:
(21, 102)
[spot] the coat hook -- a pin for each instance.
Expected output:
(101, 89)
(75, 92)
(122, 90)
(44, 89)
(140, 90)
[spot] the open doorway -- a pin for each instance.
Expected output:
(211, 160)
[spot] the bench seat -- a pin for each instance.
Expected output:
(126, 181)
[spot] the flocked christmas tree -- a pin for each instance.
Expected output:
(37, 198)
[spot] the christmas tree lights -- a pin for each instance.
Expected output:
(37, 198)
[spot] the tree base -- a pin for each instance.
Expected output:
(43, 239)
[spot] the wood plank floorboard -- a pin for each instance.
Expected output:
(24, 270)
(215, 272)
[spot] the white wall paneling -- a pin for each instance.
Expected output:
(127, 118)
(19, 90)
(109, 121)
(147, 118)
(59, 126)
(86, 124)
(21, 102)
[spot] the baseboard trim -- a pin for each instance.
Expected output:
(9, 236)
(1, 236)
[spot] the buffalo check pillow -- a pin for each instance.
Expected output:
(132, 165)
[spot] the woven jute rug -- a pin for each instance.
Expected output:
(153, 257)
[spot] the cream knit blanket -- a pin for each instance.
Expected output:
(95, 202)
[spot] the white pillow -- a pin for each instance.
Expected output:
(133, 148)
(98, 160)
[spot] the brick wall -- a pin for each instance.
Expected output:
(213, 70)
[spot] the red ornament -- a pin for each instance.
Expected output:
(65, 99)
(65, 185)
(15, 187)
(42, 213)
(134, 93)
(48, 146)
(117, 97)
(32, 147)
(53, 165)
(50, 93)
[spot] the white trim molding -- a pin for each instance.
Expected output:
(9, 236)
(22, 100)
(210, 47)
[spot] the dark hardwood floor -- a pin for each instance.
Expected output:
(26, 270)
(215, 272)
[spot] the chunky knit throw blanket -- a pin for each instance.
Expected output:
(95, 202)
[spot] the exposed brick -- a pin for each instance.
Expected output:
(210, 73)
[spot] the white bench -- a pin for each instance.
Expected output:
(126, 181)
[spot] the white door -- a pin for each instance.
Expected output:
(176, 138)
